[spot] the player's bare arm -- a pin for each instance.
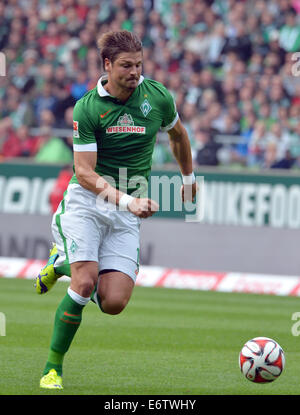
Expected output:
(85, 162)
(181, 148)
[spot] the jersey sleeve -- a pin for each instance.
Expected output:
(171, 116)
(83, 130)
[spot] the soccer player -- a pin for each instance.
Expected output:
(96, 226)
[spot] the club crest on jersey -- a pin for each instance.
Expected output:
(125, 124)
(145, 107)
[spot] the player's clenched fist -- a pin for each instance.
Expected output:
(188, 192)
(143, 208)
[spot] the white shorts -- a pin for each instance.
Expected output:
(86, 228)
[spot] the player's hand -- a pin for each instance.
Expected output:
(188, 192)
(143, 208)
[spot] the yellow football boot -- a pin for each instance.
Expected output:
(47, 276)
(51, 381)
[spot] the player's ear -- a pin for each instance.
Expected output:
(107, 65)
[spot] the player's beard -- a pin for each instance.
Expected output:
(129, 85)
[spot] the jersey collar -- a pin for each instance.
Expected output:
(102, 92)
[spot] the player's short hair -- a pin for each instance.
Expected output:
(112, 43)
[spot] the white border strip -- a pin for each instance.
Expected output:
(282, 285)
(170, 126)
(85, 147)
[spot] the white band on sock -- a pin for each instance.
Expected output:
(77, 298)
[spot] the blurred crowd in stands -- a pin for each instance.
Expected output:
(231, 65)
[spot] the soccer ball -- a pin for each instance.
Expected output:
(261, 360)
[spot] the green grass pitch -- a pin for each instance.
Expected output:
(166, 342)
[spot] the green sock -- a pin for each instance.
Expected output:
(54, 361)
(67, 320)
(64, 269)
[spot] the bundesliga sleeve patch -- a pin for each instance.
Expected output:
(75, 129)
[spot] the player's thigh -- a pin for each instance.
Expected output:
(115, 289)
(120, 249)
(77, 228)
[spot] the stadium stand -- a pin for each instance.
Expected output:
(231, 66)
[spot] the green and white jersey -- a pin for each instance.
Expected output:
(123, 134)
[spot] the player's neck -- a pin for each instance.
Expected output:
(120, 93)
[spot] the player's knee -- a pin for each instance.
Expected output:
(114, 305)
(84, 280)
(84, 286)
